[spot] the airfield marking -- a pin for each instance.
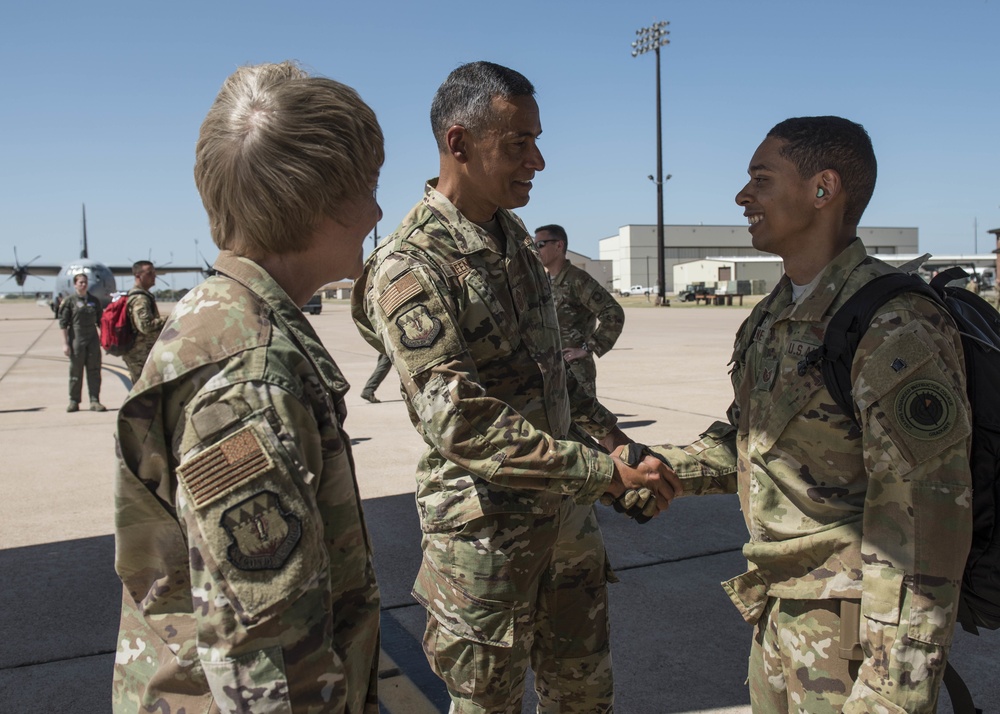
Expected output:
(28, 349)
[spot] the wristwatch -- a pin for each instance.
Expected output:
(585, 347)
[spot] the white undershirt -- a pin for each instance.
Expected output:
(799, 292)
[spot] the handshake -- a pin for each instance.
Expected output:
(643, 484)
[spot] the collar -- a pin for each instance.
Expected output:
(285, 312)
(830, 282)
(470, 238)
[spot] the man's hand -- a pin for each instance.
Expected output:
(643, 484)
(573, 353)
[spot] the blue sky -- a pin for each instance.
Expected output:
(102, 101)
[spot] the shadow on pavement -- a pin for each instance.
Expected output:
(678, 643)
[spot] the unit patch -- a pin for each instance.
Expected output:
(419, 328)
(262, 534)
(925, 410)
(224, 466)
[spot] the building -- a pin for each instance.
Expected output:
(762, 271)
(632, 252)
(600, 270)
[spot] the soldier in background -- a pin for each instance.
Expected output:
(378, 375)
(239, 535)
(590, 319)
(144, 316)
(858, 533)
(514, 566)
(80, 320)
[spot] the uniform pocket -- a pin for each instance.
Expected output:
(252, 684)
(466, 616)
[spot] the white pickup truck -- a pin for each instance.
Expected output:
(635, 290)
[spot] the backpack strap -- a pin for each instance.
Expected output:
(848, 325)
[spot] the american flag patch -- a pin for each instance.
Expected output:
(398, 293)
(223, 467)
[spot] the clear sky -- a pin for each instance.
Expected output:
(100, 103)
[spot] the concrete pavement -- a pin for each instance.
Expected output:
(679, 645)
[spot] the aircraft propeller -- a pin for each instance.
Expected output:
(20, 271)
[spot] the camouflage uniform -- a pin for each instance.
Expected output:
(144, 316)
(581, 301)
(82, 316)
(240, 539)
(505, 500)
(880, 515)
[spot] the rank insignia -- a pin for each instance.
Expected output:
(519, 301)
(925, 410)
(419, 327)
(768, 372)
(262, 534)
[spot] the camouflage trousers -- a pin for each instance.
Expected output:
(795, 665)
(135, 360)
(585, 371)
(506, 591)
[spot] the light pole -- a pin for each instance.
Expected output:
(652, 38)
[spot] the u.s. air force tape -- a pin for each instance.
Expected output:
(224, 466)
(925, 410)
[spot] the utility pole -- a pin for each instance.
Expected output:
(652, 38)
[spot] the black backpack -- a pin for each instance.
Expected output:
(979, 325)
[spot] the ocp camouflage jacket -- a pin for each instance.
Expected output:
(880, 514)
(240, 540)
(474, 336)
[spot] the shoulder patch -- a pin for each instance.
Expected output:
(224, 466)
(398, 292)
(262, 534)
(419, 327)
(925, 410)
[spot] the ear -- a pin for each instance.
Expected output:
(828, 187)
(457, 139)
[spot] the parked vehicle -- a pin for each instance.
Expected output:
(314, 306)
(636, 290)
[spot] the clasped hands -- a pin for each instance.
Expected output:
(643, 484)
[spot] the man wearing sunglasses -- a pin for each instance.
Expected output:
(590, 319)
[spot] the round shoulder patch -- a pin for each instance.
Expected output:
(925, 410)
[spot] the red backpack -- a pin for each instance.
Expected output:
(117, 334)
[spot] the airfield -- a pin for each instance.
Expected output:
(678, 643)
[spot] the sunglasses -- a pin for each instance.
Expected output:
(543, 243)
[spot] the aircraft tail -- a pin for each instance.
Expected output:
(83, 242)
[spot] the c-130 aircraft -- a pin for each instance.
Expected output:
(101, 277)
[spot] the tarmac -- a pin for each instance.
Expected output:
(678, 643)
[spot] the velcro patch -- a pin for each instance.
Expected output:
(461, 267)
(262, 534)
(925, 410)
(398, 293)
(419, 327)
(798, 348)
(224, 466)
